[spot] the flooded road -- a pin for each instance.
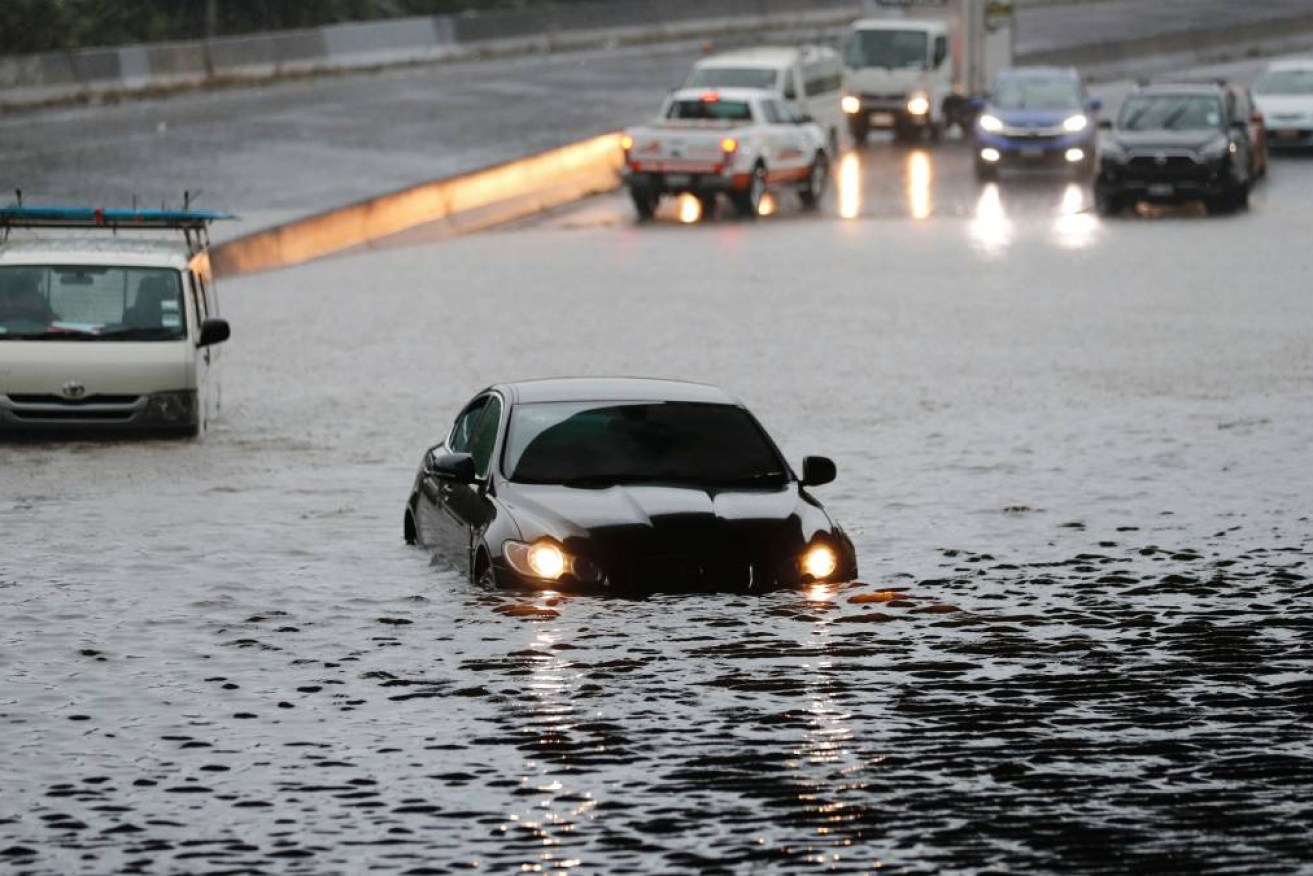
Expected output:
(1073, 456)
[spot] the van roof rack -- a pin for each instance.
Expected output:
(194, 224)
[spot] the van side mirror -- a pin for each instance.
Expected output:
(455, 467)
(817, 470)
(213, 331)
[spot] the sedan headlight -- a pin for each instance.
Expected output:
(992, 124)
(1076, 124)
(850, 104)
(820, 562)
(546, 560)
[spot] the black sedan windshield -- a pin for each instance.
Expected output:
(603, 443)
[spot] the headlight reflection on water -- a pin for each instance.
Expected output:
(920, 176)
(990, 229)
(1075, 227)
(850, 186)
(690, 209)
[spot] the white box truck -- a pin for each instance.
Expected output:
(913, 66)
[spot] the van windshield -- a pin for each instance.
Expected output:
(90, 302)
(887, 48)
(734, 77)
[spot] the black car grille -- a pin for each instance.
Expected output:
(1167, 167)
(23, 399)
(688, 572)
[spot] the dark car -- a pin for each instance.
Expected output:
(1036, 117)
(626, 485)
(1179, 142)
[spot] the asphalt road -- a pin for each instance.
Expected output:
(286, 149)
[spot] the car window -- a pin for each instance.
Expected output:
(95, 302)
(1033, 93)
(600, 443)
(463, 430)
(772, 111)
(1171, 112)
(822, 77)
(710, 108)
(1294, 81)
(484, 437)
(734, 77)
(893, 49)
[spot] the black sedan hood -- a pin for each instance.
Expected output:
(631, 528)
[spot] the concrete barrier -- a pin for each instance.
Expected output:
(472, 200)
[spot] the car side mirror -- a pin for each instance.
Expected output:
(817, 470)
(213, 331)
(1094, 104)
(456, 467)
(1105, 124)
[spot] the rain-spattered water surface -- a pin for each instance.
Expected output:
(1075, 466)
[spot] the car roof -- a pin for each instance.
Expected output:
(566, 389)
(767, 56)
(114, 250)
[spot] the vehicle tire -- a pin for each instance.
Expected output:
(1106, 203)
(817, 179)
(707, 201)
(748, 202)
(1240, 196)
(484, 575)
(645, 202)
(408, 530)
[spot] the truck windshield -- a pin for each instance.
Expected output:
(733, 77)
(887, 48)
(1285, 82)
(599, 444)
(714, 110)
(84, 302)
(1170, 112)
(1036, 94)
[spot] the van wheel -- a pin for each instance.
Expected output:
(408, 530)
(707, 201)
(812, 193)
(748, 202)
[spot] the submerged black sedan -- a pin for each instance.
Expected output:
(622, 484)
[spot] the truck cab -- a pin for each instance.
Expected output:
(898, 75)
(109, 322)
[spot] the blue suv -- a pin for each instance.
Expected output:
(1038, 117)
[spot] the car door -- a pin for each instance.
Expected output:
(794, 146)
(462, 511)
(435, 525)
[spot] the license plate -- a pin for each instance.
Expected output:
(678, 179)
(1161, 189)
(1285, 135)
(1032, 152)
(882, 119)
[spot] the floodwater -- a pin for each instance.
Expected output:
(1073, 456)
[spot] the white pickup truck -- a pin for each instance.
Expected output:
(739, 141)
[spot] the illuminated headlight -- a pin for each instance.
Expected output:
(850, 105)
(918, 105)
(172, 407)
(1075, 124)
(991, 124)
(546, 560)
(1075, 155)
(819, 562)
(990, 154)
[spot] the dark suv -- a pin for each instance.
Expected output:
(1177, 142)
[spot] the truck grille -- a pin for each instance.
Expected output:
(28, 408)
(1167, 167)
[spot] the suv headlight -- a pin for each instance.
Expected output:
(1075, 124)
(991, 124)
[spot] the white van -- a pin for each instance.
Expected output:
(108, 321)
(808, 78)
